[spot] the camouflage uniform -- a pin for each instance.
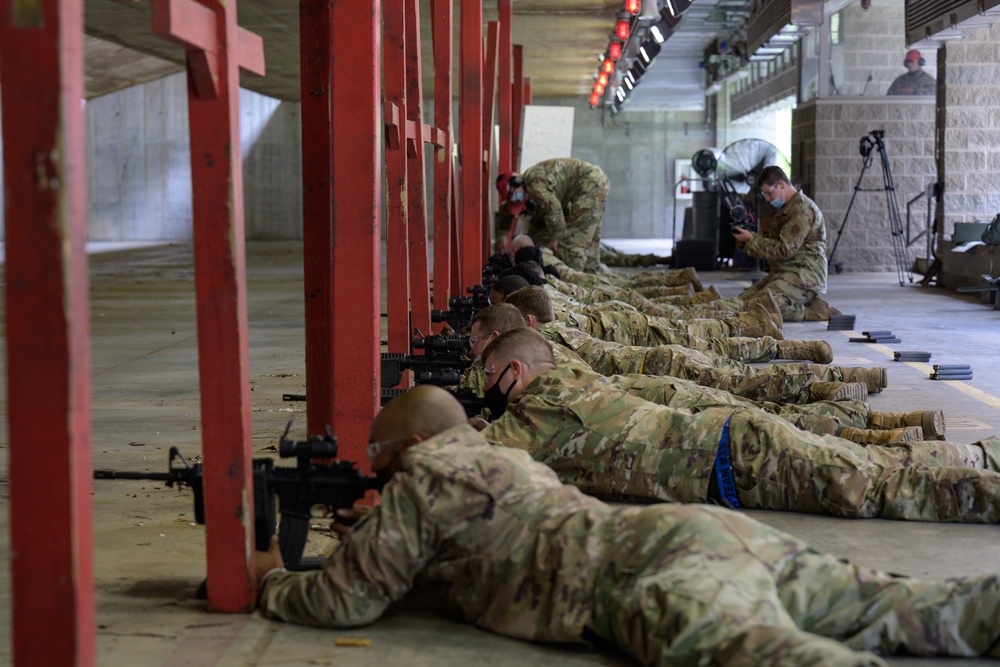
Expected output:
(616, 446)
(569, 199)
(598, 296)
(656, 282)
(794, 246)
(913, 83)
(517, 553)
(634, 328)
(614, 257)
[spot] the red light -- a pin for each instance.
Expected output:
(621, 29)
(594, 99)
(615, 50)
(608, 66)
(599, 88)
(632, 6)
(603, 79)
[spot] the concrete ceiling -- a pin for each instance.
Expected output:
(561, 38)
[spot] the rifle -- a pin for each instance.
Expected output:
(462, 308)
(472, 403)
(337, 484)
(444, 358)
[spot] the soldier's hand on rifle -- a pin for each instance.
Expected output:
(348, 518)
(270, 559)
(478, 423)
(742, 235)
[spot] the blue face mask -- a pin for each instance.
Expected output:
(517, 195)
(778, 202)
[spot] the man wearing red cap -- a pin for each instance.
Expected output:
(915, 81)
(568, 197)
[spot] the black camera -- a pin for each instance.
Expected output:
(740, 218)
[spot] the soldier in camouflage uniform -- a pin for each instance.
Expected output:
(516, 552)
(613, 445)
(613, 257)
(569, 197)
(794, 246)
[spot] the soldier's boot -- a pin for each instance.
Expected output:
(870, 436)
(691, 276)
(771, 305)
(756, 323)
(875, 378)
(931, 421)
(838, 391)
(711, 294)
(818, 351)
(819, 310)
(676, 290)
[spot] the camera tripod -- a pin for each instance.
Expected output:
(869, 142)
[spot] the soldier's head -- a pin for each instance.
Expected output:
(530, 271)
(774, 185)
(492, 321)
(535, 305)
(505, 286)
(914, 61)
(511, 362)
(521, 241)
(513, 196)
(407, 420)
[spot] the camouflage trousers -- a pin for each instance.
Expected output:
(791, 297)
(580, 247)
(709, 586)
(614, 257)
(631, 328)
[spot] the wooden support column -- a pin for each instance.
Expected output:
(357, 221)
(316, 58)
(489, 120)
(505, 81)
(527, 91)
(216, 49)
(47, 333)
(442, 27)
(471, 133)
(396, 234)
(517, 100)
(416, 192)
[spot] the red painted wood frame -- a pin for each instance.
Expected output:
(505, 8)
(517, 100)
(216, 50)
(48, 333)
(397, 233)
(470, 115)
(527, 91)
(442, 27)
(489, 118)
(357, 221)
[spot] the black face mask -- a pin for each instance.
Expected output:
(494, 399)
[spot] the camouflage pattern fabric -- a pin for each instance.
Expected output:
(613, 257)
(598, 296)
(483, 525)
(913, 83)
(569, 197)
(634, 328)
(616, 446)
(795, 248)
(651, 280)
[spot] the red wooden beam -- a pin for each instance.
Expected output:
(47, 333)
(316, 60)
(220, 285)
(517, 100)
(471, 133)
(396, 233)
(489, 120)
(442, 27)
(527, 91)
(357, 221)
(505, 81)
(416, 191)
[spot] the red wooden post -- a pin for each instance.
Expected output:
(471, 131)
(517, 101)
(316, 59)
(505, 112)
(489, 119)
(396, 233)
(416, 194)
(442, 26)
(456, 231)
(48, 333)
(357, 221)
(216, 49)
(527, 91)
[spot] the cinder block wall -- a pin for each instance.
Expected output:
(972, 128)
(825, 138)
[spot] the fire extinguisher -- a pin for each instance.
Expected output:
(865, 4)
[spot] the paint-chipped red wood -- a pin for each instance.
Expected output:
(357, 221)
(220, 289)
(471, 134)
(47, 333)
(442, 27)
(489, 119)
(505, 80)
(517, 101)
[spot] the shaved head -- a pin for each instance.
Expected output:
(425, 410)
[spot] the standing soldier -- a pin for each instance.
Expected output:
(568, 197)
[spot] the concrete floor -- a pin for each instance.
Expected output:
(150, 556)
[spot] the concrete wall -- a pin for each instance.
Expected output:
(972, 128)
(826, 136)
(140, 173)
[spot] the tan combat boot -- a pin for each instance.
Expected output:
(711, 294)
(819, 310)
(771, 305)
(675, 290)
(869, 436)
(838, 391)
(691, 275)
(756, 323)
(875, 378)
(931, 421)
(818, 351)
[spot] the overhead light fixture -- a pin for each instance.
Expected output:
(602, 78)
(627, 82)
(659, 31)
(608, 66)
(595, 99)
(648, 50)
(615, 50)
(620, 94)
(650, 9)
(632, 6)
(629, 77)
(677, 7)
(621, 29)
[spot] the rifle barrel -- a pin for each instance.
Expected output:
(118, 474)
